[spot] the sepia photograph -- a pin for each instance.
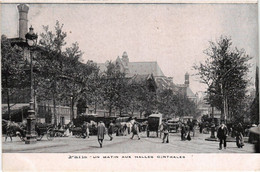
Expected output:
(130, 78)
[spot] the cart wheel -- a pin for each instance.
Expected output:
(77, 135)
(38, 137)
(50, 134)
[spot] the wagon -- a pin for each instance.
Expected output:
(154, 121)
(44, 129)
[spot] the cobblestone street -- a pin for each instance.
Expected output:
(123, 144)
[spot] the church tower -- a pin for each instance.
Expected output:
(125, 59)
(187, 80)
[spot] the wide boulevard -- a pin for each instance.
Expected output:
(123, 144)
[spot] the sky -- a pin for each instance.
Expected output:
(174, 35)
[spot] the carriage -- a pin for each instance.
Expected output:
(44, 129)
(154, 121)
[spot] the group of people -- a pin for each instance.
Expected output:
(222, 134)
(186, 128)
(102, 130)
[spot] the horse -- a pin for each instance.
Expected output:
(13, 129)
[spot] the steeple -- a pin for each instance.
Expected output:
(125, 59)
(187, 80)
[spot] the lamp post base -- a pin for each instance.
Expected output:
(31, 134)
(30, 139)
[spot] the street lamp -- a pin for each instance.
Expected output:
(31, 39)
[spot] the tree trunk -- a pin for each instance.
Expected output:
(95, 107)
(8, 98)
(72, 108)
(54, 110)
(8, 104)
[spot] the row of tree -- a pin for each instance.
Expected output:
(61, 77)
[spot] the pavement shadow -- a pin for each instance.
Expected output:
(94, 146)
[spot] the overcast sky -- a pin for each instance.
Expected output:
(174, 35)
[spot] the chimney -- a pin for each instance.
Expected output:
(23, 21)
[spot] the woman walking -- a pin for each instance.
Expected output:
(239, 136)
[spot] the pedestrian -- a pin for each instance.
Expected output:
(183, 132)
(87, 129)
(101, 130)
(161, 129)
(201, 127)
(84, 129)
(165, 129)
(239, 136)
(125, 129)
(222, 135)
(111, 130)
(188, 132)
(135, 130)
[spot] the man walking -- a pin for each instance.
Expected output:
(135, 130)
(165, 132)
(111, 130)
(101, 129)
(183, 132)
(222, 135)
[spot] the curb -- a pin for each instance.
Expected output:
(228, 139)
(32, 148)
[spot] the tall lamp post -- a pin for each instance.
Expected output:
(31, 39)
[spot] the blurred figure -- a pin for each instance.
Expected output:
(239, 136)
(111, 130)
(135, 130)
(165, 130)
(188, 132)
(84, 128)
(256, 131)
(201, 126)
(125, 129)
(183, 132)
(222, 135)
(101, 130)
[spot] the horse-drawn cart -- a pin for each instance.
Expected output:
(42, 129)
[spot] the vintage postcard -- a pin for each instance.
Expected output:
(116, 86)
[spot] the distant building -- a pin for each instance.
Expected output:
(146, 68)
(135, 68)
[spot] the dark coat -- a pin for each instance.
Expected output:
(101, 130)
(222, 133)
(111, 128)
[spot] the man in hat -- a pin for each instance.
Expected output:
(101, 130)
(222, 135)
(135, 130)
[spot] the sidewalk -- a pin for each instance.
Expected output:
(17, 145)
